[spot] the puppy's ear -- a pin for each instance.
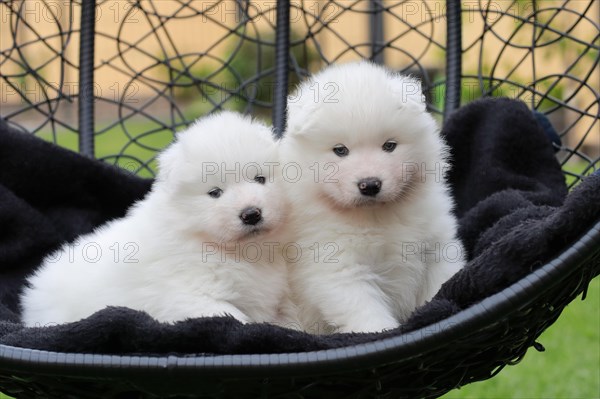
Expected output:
(301, 105)
(408, 92)
(168, 162)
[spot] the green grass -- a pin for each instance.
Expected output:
(568, 369)
(578, 167)
(133, 144)
(115, 146)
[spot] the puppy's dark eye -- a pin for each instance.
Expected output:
(215, 192)
(260, 179)
(389, 146)
(341, 150)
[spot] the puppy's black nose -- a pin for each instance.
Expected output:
(251, 215)
(369, 186)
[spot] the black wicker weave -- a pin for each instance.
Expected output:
(472, 345)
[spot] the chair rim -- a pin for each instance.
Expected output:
(361, 356)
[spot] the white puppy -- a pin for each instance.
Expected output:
(198, 245)
(371, 208)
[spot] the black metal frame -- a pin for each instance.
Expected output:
(416, 364)
(86, 77)
(282, 51)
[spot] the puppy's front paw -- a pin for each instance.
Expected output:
(224, 309)
(238, 315)
(370, 326)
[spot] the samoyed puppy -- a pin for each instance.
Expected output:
(364, 165)
(195, 246)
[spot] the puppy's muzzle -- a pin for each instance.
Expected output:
(369, 186)
(251, 215)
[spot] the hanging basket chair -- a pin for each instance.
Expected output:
(537, 257)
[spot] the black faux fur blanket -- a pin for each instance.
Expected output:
(511, 199)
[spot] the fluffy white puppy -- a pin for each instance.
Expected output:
(371, 210)
(199, 244)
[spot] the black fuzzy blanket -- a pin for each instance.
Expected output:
(511, 200)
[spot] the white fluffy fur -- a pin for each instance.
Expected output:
(366, 263)
(194, 255)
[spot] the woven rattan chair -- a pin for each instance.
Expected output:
(472, 345)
